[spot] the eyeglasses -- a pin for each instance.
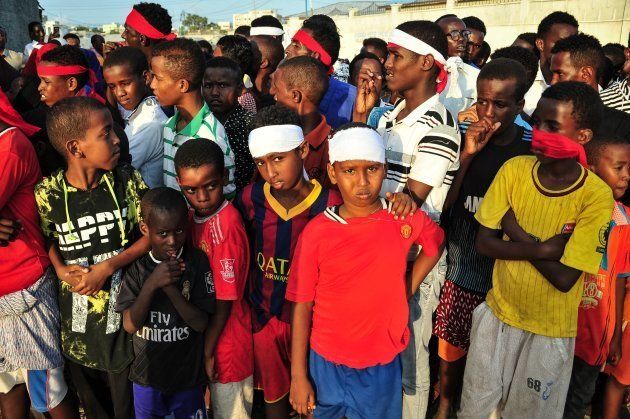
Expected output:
(456, 35)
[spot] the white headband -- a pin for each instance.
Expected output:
(357, 143)
(265, 30)
(274, 139)
(403, 39)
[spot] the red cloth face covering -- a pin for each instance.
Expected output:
(442, 78)
(9, 116)
(142, 26)
(557, 146)
(71, 70)
(312, 45)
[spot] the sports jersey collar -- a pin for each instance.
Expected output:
(416, 114)
(553, 193)
(179, 254)
(285, 214)
(201, 220)
(316, 137)
(333, 212)
(193, 126)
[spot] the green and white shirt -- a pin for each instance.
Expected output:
(203, 125)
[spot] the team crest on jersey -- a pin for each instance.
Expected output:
(603, 235)
(405, 231)
(209, 282)
(227, 270)
(186, 290)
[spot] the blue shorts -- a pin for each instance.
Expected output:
(150, 403)
(374, 392)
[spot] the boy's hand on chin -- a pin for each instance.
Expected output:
(92, 281)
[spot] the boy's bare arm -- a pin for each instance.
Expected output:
(194, 317)
(421, 268)
(302, 395)
(615, 352)
(215, 328)
(70, 274)
(418, 191)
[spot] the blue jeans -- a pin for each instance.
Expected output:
(415, 359)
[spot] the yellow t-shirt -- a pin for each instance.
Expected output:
(520, 295)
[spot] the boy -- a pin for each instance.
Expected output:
(126, 73)
(165, 299)
(600, 319)
(491, 137)
(340, 274)
(88, 213)
(222, 85)
(275, 210)
(29, 316)
(218, 230)
(523, 336)
(240, 50)
(319, 38)
(300, 84)
(147, 25)
(177, 67)
(422, 143)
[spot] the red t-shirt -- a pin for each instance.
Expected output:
(596, 314)
(24, 261)
(222, 237)
(317, 158)
(354, 271)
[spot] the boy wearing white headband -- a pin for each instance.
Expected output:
(340, 275)
(422, 150)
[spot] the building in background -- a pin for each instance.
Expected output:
(112, 28)
(241, 19)
(15, 16)
(50, 25)
(225, 26)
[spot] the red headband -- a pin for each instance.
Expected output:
(142, 26)
(442, 78)
(72, 70)
(557, 146)
(9, 116)
(310, 43)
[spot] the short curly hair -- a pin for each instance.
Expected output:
(275, 115)
(162, 199)
(325, 32)
(156, 15)
(555, 18)
(584, 50)
(184, 60)
(133, 58)
(69, 55)
(597, 146)
(238, 49)
(587, 105)
(473, 22)
(307, 74)
(198, 152)
(524, 56)
(506, 69)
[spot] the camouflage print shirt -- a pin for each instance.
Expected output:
(89, 227)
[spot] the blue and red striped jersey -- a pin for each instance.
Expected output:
(273, 233)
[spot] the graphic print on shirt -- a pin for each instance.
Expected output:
(162, 327)
(78, 236)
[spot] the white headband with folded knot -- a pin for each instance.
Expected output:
(356, 143)
(274, 139)
(403, 39)
(265, 30)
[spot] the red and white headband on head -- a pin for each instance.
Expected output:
(399, 38)
(265, 30)
(72, 70)
(311, 44)
(142, 26)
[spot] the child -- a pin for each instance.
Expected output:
(29, 316)
(177, 68)
(240, 50)
(600, 318)
(165, 301)
(300, 84)
(276, 209)
(126, 72)
(147, 25)
(218, 230)
(491, 137)
(523, 337)
(88, 213)
(222, 85)
(349, 261)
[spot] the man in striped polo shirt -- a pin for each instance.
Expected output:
(177, 68)
(618, 95)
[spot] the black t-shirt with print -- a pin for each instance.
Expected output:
(169, 353)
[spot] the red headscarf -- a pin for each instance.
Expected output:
(557, 146)
(71, 70)
(9, 116)
(142, 26)
(310, 43)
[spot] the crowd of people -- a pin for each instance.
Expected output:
(437, 229)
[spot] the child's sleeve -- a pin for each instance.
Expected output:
(135, 190)
(587, 244)
(230, 263)
(304, 273)
(435, 154)
(43, 195)
(202, 294)
(129, 289)
(430, 236)
(496, 201)
(11, 173)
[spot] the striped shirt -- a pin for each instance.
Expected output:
(423, 146)
(521, 296)
(203, 125)
(617, 96)
(273, 234)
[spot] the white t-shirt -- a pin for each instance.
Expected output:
(461, 90)
(29, 48)
(535, 92)
(423, 146)
(144, 129)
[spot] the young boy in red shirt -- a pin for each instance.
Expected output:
(348, 283)
(218, 230)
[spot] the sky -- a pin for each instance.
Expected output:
(98, 12)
